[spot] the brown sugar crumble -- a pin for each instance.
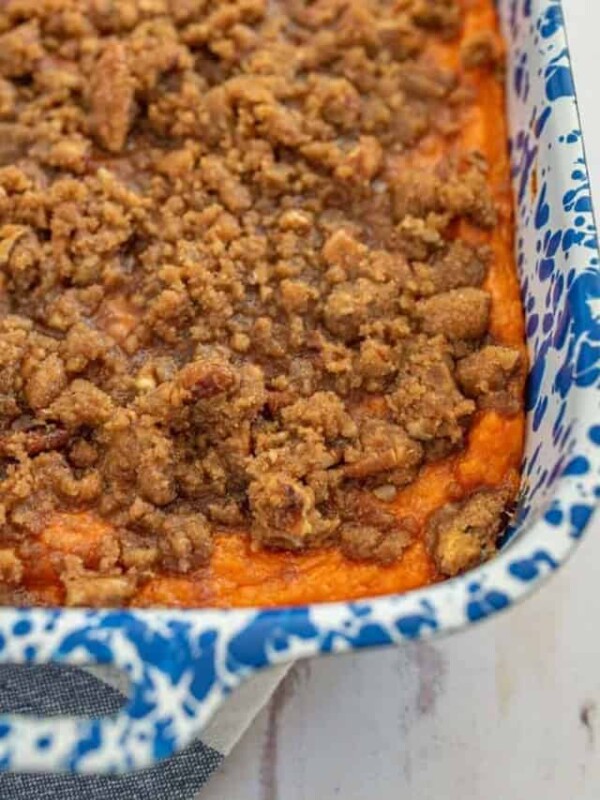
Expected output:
(233, 296)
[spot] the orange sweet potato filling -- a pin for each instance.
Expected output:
(240, 576)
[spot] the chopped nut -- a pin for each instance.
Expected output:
(98, 592)
(112, 97)
(386, 493)
(11, 567)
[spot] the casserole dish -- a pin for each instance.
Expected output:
(182, 664)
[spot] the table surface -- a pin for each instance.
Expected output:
(509, 710)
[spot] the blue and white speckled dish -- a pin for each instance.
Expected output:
(183, 663)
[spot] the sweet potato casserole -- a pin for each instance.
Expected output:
(261, 339)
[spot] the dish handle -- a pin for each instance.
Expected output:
(181, 665)
(179, 671)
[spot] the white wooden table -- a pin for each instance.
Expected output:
(510, 711)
